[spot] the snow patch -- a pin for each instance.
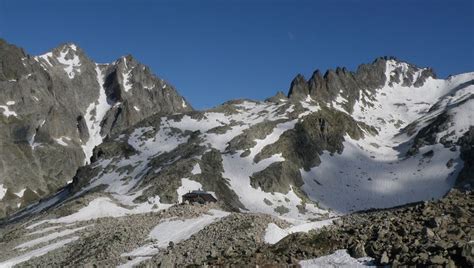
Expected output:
(48, 229)
(175, 231)
(49, 237)
(7, 112)
(98, 208)
(37, 252)
(20, 193)
(310, 105)
(339, 259)
(179, 230)
(100, 106)
(31, 140)
(196, 169)
(127, 85)
(44, 60)
(3, 191)
(273, 233)
(152, 86)
(63, 140)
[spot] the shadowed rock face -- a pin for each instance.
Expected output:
(58, 106)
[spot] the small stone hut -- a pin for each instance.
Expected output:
(199, 196)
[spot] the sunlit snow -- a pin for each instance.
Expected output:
(100, 107)
(339, 259)
(37, 252)
(7, 112)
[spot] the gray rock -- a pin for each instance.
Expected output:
(357, 250)
(384, 259)
(428, 232)
(468, 252)
(437, 259)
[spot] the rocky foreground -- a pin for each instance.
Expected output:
(437, 233)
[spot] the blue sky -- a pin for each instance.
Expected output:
(213, 51)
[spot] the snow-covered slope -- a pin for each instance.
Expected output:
(133, 176)
(376, 171)
(253, 155)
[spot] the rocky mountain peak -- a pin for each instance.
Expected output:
(68, 46)
(340, 83)
(11, 61)
(63, 104)
(298, 88)
(407, 74)
(66, 59)
(279, 97)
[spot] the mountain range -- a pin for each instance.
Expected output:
(96, 158)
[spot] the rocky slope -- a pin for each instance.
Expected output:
(388, 134)
(437, 233)
(59, 106)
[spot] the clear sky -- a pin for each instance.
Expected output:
(213, 51)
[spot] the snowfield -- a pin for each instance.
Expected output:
(359, 179)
